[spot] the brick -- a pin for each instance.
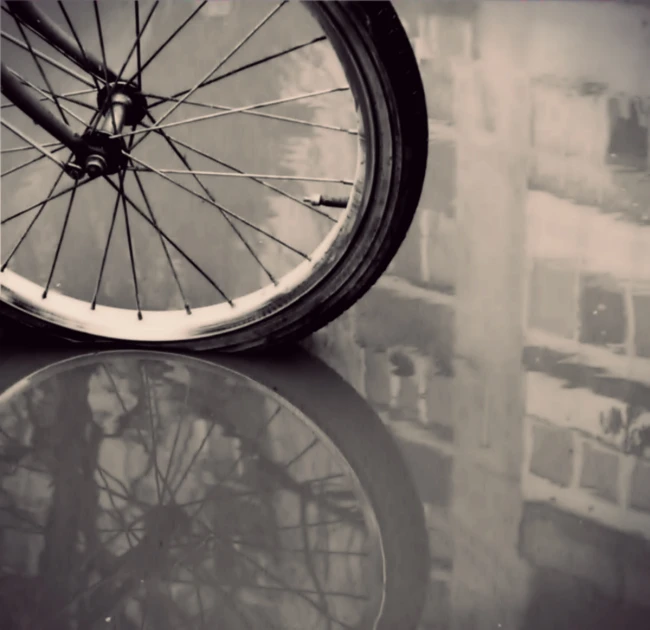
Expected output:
(641, 305)
(600, 473)
(637, 578)
(335, 345)
(630, 194)
(405, 369)
(440, 254)
(432, 472)
(439, 192)
(377, 377)
(603, 318)
(640, 489)
(439, 401)
(387, 318)
(407, 264)
(553, 299)
(570, 140)
(439, 90)
(441, 548)
(487, 503)
(408, 399)
(552, 456)
(564, 542)
(436, 614)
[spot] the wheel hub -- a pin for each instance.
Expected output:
(121, 105)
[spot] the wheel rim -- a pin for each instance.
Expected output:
(125, 510)
(115, 309)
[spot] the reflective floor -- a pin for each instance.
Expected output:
(159, 490)
(506, 350)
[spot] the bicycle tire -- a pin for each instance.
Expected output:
(390, 69)
(372, 453)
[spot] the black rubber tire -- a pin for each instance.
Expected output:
(354, 429)
(391, 66)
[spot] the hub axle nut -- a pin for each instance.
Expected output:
(95, 165)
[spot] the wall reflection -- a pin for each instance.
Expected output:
(531, 241)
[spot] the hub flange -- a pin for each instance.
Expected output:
(137, 106)
(104, 154)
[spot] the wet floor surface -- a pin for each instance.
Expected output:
(530, 453)
(144, 489)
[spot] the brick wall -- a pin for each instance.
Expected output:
(439, 351)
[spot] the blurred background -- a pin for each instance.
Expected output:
(509, 342)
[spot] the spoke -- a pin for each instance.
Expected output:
(76, 101)
(60, 243)
(298, 178)
(309, 560)
(125, 527)
(302, 453)
(247, 66)
(98, 284)
(295, 121)
(135, 44)
(220, 208)
(53, 38)
(39, 66)
(184, 476)
(131, 254)
(283, 585)
(224, 595)
(37, 146)
(25, 518)
(48, 144)
(36, 205)
(114, 387)
(49, 97)
(315, 524)
(33, 221)
(328, 552)
(98, 21)
(27, 147)
(252, 177)
(166, 478)
(66, 97)
(164, 44)
(49, 60)
(234, 110)
(33, 160)
(199, 599)
(139, 49)
(304, 591)
(76, 38)
(186, 304)
(233, 467)
(172, 243)
(158, 476)
(223, 60)
(225, 216)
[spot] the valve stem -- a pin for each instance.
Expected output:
(327, 200)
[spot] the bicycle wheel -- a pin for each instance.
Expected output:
(152, 490)
(267, 178)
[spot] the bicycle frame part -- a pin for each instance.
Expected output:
(24, 99)
(55, 36)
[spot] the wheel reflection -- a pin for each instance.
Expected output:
(152, 490)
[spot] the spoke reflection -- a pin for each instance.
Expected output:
(160, 490)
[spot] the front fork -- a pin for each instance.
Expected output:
(114, 103)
